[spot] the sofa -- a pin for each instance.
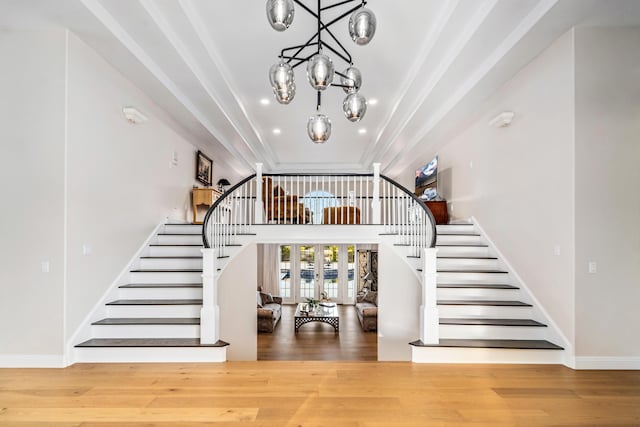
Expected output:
(367, 309)
(269, 311)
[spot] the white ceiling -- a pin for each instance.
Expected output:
(430, 65)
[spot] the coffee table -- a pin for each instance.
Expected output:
(327, 313)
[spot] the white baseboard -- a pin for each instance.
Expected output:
(32, 361)
(607, 362)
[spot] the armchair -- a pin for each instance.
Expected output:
(279, 206)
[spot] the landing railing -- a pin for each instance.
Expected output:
(310, 199)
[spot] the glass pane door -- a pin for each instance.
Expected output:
(284, 261)
(330, 278)
(307, 268)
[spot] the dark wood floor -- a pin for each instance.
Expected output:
(318, 341)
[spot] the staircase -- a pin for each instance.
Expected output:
(484, 316)
(156, 315)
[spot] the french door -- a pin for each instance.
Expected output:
(308, 271)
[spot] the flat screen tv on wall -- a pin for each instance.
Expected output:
(427, 180)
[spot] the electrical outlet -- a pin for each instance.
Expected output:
(44, 266)
(593, 267)
(471, 164)
(556, 250)
(86, 249)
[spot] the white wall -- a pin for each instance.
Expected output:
(75, 173)
(32, 191)
(518, 181)
(607, 195)
(399, 296)
(237, 301)
(120, 183)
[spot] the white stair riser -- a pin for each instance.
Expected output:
(160, 293)
(183, 229)
(493, 312)
(467, 264)
(444, 239)
(171, 263)
(461, 251)
(179, 240)
(459, 277)
(456, 229)
(485, 355)
(153, 310)
(476, 293)
(492, 332)
(146, 331)
(150, 354)
(175, 251)
(166, 277)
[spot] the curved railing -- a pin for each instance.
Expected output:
(408, 216)
(218, 225)
(304, 199)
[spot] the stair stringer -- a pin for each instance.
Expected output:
(553, 331)
(99, 310)
(402, 252)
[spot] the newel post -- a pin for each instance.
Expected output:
(210, 312)
(259, 204)
(429, 318)
(375, 204)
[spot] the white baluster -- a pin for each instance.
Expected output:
(259, 205)
(429, 318)
(210, 312)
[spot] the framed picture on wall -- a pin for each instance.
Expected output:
(204, 169)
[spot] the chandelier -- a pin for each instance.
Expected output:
(320, 68)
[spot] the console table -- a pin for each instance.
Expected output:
(439, 211)
(203, 196)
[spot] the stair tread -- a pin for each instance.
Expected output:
(179, 234)
(148, 342)
(173, 244)
(473, 271)
(156, 302)
(483, 343)
(490, 322)
(472, 245)
(468, 271)
(167, 270)
(161, 285)
(149, 321)
(499, 303)
(183, 223)
(476, 285)
(170, 257)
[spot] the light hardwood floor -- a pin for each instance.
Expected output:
(318, 394)
(318, 341)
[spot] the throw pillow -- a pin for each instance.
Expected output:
(259, 299)
(266, 298)
(372, 297)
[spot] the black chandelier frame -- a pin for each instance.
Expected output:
(320, 44)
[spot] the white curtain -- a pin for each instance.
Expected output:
(268, 277)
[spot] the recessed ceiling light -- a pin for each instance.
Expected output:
(277, 131)
(362, 131)
(372, 101)
(265, 101)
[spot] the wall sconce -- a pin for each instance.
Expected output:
(133, 115)
(503, 119)
(223, 182)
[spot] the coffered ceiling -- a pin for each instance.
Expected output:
(430, 66)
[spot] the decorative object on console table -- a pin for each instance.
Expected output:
(223, 182)
(204, 169)
(203, 196)
(439, 210)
